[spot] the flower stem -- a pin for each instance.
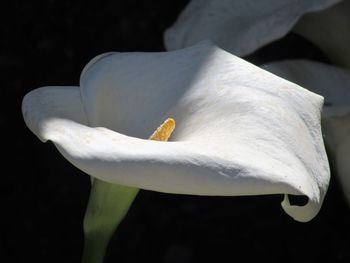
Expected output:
(108, 205)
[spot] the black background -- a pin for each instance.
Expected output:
(43, 197)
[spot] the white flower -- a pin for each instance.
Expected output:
(240, 130)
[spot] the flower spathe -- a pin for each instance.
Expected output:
(240, 130)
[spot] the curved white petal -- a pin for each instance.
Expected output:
(238, 26)
(334, 84)
(329, 29)
(240, 130)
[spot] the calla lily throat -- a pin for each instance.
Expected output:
(108, 205)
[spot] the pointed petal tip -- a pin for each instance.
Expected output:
(301, 214)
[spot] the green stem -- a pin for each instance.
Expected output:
(108, 205)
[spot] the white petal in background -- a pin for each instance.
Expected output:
(329, 30)
(337, 131)
(238, 26)
(334, 84)
(240, 130)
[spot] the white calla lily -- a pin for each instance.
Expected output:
(238, 26)
(240, 130)
(333, 83)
